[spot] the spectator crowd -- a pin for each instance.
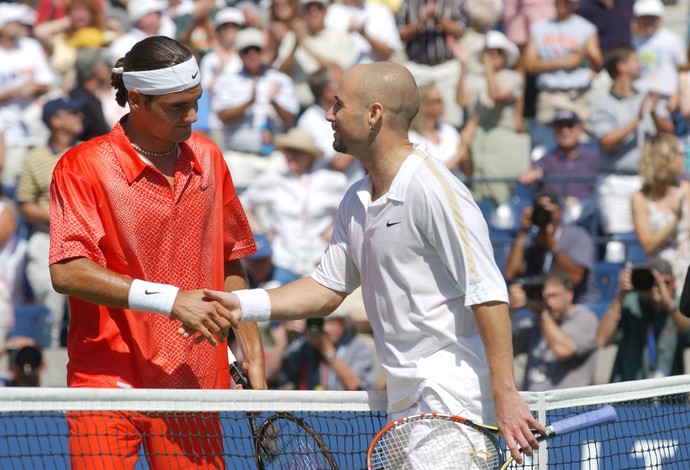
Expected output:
(568, 120)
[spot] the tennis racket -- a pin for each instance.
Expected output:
(241, 379)
(438, 441)
(284, 441)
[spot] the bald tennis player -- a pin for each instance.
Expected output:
(141, 220)
(410, 234)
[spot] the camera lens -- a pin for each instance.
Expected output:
(540, 216)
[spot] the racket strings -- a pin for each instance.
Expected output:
(435, 444)
(286, 445)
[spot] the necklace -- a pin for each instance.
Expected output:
(149, 153)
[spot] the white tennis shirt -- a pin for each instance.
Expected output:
(422, 255)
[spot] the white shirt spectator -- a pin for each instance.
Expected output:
(661, 55)
(443, 150)
(232, 90)
(378, 21)
(300, 210)
(20, 65)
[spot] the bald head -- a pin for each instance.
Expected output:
(393, 86)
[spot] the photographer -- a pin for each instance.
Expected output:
(559, 338)
(568, 248)
(328, 356)
(641, 321)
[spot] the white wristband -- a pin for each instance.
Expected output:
(255, 304)
(151, 297)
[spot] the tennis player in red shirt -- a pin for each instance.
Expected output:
(141, 220)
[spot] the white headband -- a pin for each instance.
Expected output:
(173, 79)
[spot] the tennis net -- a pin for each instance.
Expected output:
(654, 416)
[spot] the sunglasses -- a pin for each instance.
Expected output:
(319, 6)
(247, 50)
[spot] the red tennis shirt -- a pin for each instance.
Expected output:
(111, 207)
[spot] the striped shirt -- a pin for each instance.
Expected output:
(34, 180)
(429, 46)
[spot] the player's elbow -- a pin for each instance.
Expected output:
(59, 278)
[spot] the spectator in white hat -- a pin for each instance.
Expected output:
(223, 57)
(253, 104)
(148, 18)
(300, 204)
(25, 75)
(310, 45)
(498, 149)
(660, 51)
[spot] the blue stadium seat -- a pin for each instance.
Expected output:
(487, 208)
(606, 276)
(633, 250)
(31, 320)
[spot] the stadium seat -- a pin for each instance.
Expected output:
(606, 276)
(487, 208)
(31, 320)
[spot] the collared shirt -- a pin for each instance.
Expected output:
(422, 255)
(556, 163)
(300, 209)
(234, 89)
(610, 112)
(544, 371)
(429, 46)
(109, 206)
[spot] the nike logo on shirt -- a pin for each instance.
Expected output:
(390, 224)
(203, 188)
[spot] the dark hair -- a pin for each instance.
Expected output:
(152, 53)
(614, 56)
(319, 81)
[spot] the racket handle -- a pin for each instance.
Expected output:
(606, 414)
(236, 372)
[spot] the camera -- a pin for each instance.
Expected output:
(642, 278)
(540, 216)
(533, 287)
(315, 325)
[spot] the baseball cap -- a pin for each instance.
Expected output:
(263, 247)
(648, 8)
(249, 37)
(53, 106)
(229, 15)
(566, 115)
(139, 8)
(28, 360)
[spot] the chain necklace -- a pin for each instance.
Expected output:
(149, 153)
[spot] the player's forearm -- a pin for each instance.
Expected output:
(86, 280)
(493, 323)
(303, 298)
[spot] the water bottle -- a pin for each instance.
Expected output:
(267, 146)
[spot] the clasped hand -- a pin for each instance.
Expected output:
(209, 313)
